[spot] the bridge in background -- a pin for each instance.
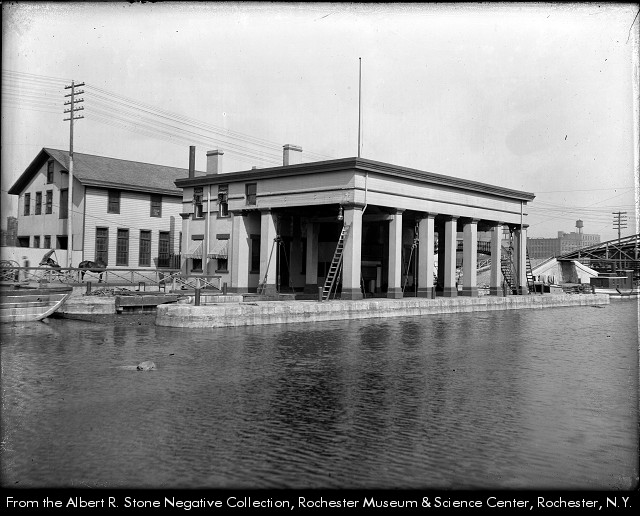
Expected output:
(610, 256)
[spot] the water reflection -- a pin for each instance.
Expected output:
(521, 399)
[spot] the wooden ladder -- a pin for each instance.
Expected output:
(530, 278)
(331, 283)
(262, 287)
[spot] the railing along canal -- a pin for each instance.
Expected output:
(140, 278)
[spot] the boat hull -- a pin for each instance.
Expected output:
(31, 304)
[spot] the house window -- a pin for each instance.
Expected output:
(61, 241)
(221, 253)
(122, 247)
(223, 265)
(64, 204)
(38, 209)
(251, 193)
(36, 241)
(102, 245)
(23, 241)
(49, 206)
(144, 259)
(156, 205)
(27, 204)
(113, 205)
(164, 258)
(47, 241)
(198, 212)
(223, 200)
(255, 254)
(50, 172)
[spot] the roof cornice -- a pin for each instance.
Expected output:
(357, 165)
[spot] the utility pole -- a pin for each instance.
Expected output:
(359, 103)
(619, 222)
(72, 109)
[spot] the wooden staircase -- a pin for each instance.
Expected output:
(331, 281)
(507, 267)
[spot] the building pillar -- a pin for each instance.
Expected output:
(186, 217)
(240, 254)
(394, 289)
(495, 281)
(268, 252)
(470, 258)
(426, 256)
(352, 252)
(311, 277)
(295, 258)
(450, 245)
(521, 263)
(440, 282)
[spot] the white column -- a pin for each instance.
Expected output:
(186, 223)
(394, 289)
(426, 256)
(268, 252)
(470, 258)
(311, 280)
(352, 254)
(450, 245)
(495, 282)
(521, 264)
(239, 254)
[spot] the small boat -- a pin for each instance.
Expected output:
(19, 303)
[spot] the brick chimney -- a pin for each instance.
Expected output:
(214, 162)
(192, 161)
(291, 155)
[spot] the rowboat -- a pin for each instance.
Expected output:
(19, 303)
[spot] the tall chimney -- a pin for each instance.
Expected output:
(291, 155)
(192, 161)
(214, 161)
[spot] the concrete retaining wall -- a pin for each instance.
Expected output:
(94, 306)
(247, 314)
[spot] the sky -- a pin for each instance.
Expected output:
(538, 97)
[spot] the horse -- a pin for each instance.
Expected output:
(89, 266)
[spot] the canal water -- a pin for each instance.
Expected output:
(527, 399)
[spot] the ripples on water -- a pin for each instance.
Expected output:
(517, 399)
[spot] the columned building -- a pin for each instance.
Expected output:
(277, 229)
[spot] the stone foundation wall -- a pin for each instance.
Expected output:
(246, 314)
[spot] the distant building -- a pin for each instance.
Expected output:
(9, 236)
(564, 243)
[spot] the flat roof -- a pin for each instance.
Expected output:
(356, 165)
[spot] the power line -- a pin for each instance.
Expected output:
(133, 112)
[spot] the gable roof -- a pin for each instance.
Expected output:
(91, 170)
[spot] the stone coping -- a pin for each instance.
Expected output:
(278, 312)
